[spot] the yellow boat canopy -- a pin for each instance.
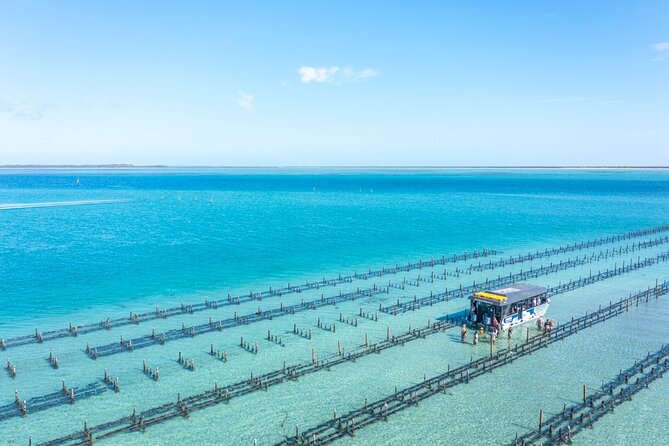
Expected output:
(517, 292)
(492, 296)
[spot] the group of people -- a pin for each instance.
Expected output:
(546, 326)
(494, 333)
(534, 302)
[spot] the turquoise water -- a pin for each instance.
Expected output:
(166, 236)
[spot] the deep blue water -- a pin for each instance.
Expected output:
(184, 230)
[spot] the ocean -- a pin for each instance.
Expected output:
(81, 246)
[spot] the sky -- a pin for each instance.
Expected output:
(308, 83)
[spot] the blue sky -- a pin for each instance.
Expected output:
(335, 83)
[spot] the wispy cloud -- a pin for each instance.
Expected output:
(662, 50)
(26, 109)
(642, 132)
(582, 100)
(245, 101)
(334, 74)
(568, 99)
(317, 74)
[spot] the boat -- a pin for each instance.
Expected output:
(508, 307)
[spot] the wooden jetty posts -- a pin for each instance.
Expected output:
(372, 412)
(151, 372)
(416, 333)
(561, 427)
(11, 368)
(237, 320)
(188, 364)
(66, 395)
(149, 340)
(53, 360)
(482, 266)
(367, 348)
(135, 318)
(40, 336)
(345, 425)
(632, 265)
(218, 354)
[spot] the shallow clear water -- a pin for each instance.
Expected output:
(173, 235)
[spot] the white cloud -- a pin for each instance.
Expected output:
(583, 100)
(26, 109)
(642, 133)
(661, 46)
(352, 76)
(568, 99)
(334, 74)
(245, 101)
(317, 74)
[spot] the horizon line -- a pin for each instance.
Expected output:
(215, 166)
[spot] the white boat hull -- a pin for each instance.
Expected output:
(531, 314)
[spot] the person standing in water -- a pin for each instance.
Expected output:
(463, 333)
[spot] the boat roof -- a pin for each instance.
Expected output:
(509, 295)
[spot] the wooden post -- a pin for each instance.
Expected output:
(584, 394)
(541, 419)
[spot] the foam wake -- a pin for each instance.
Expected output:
(7, 206)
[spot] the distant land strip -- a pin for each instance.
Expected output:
(162, 166)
